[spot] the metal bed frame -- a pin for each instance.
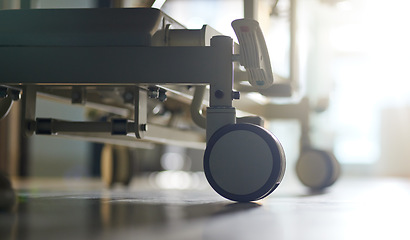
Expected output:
(119, 59)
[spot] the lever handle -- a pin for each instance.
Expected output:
(254, 54)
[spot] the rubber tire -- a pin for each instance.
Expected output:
(116, 165)
(317, 169)
(239, 163)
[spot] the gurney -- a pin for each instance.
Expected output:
(121, 60)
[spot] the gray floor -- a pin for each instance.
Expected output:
(82, 209)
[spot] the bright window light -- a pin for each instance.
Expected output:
(158, 4)
(369, 67)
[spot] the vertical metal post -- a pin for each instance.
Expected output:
(221, 88)
(140, 112)
(304, 111)
(221, 112)
(28, 109)
(250, 8)
(293, 51)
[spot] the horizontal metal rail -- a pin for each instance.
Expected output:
(120, 131)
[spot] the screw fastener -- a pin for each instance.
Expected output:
(143, 127)
(219, 94)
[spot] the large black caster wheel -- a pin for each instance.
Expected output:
(116, 165)
(317, 169)
(244, 162)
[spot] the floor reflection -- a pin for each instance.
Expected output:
(125, 215)
(353, 209)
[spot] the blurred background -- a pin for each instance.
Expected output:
(349, 57)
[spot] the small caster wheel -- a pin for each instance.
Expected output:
(317, 169)
(244, 162)
(116, 165)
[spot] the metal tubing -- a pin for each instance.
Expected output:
(196, 107)
(294, 51)
(29, 109)
(250, 8)
(140, 112)
(102, 132)
(59, 126)
(222, 81)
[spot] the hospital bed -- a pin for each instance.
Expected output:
(125, 61)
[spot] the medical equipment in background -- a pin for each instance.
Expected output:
(316, 169)
(84, 56)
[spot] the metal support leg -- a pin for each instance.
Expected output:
(221, 112)
(196, 107)
(140, 112)
(304, 124)
(29, 110)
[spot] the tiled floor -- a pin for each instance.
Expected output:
(82, 209)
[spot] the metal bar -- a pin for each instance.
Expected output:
(294, 51)
(196, 107)
(28, 99)
(140, 112)
(250, 8)
(101, 132)
(55, 126)
(221, 83)
(112, 65)
(220, 111)
(127, 141)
